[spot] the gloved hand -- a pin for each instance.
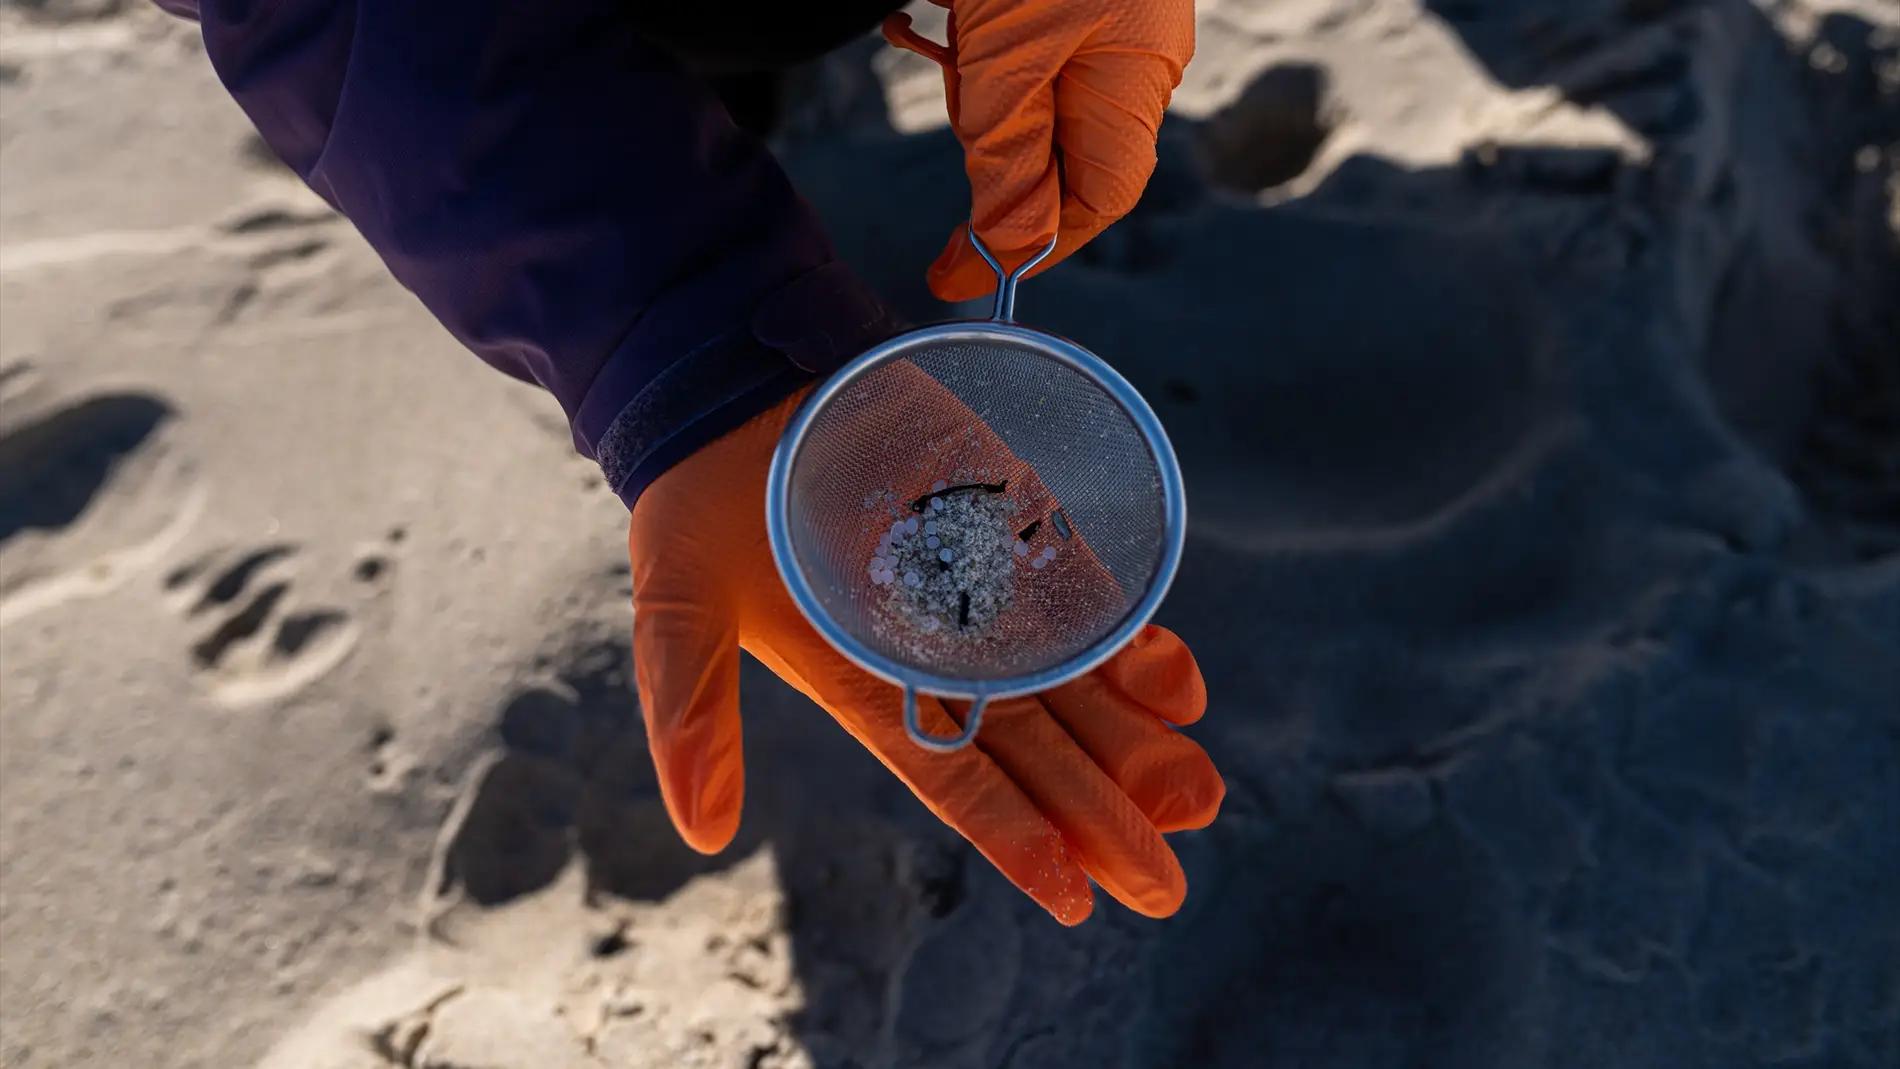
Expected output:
(1057, 104)
(1074, 783)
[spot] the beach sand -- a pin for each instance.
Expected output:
(1535, 369)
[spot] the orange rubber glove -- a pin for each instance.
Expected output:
(1057, 104)
(1078, 782)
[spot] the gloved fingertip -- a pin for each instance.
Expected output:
(954, 290)
(1044, 867)
(1166, 906)
(705, 803)
(1159, 894)
(959, 274)
(1191, 803)
(1158, 671)
(709, 832)
(1072, 911)
(1069, 900)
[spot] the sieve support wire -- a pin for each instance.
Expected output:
(1004, 310)
(941, 743)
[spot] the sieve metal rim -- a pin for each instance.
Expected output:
(1094, 368)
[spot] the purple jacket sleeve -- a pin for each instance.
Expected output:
(576, 209)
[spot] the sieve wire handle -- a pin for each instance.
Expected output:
(941, 743)
(1004, 311)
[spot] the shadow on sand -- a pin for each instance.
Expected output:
(1489, 576)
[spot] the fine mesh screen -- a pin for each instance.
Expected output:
(1026, 441)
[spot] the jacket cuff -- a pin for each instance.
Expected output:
(637, 428)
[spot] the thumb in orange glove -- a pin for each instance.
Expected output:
(1057, 104)
(1076, 783)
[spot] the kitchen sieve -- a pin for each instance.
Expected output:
(976, 510)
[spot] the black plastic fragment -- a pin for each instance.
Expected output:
(924, 502)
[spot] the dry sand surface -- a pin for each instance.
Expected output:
(1535, 365)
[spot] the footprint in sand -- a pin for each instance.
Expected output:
(1270, 134)
(90, 493)
(53, 467)
(255, 643)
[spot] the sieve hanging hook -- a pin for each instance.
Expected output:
(941, 743)
(1004, 310)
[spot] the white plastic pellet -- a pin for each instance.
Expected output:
(930, 526)
(1039, 563)
(945, 555)
(910, 525)
(912, 579)
(938, 485)
(936, 503)
(1048, 553)
(1022, 548)
(932, 542)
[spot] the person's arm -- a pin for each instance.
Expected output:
(580, 213)
(573, 207)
